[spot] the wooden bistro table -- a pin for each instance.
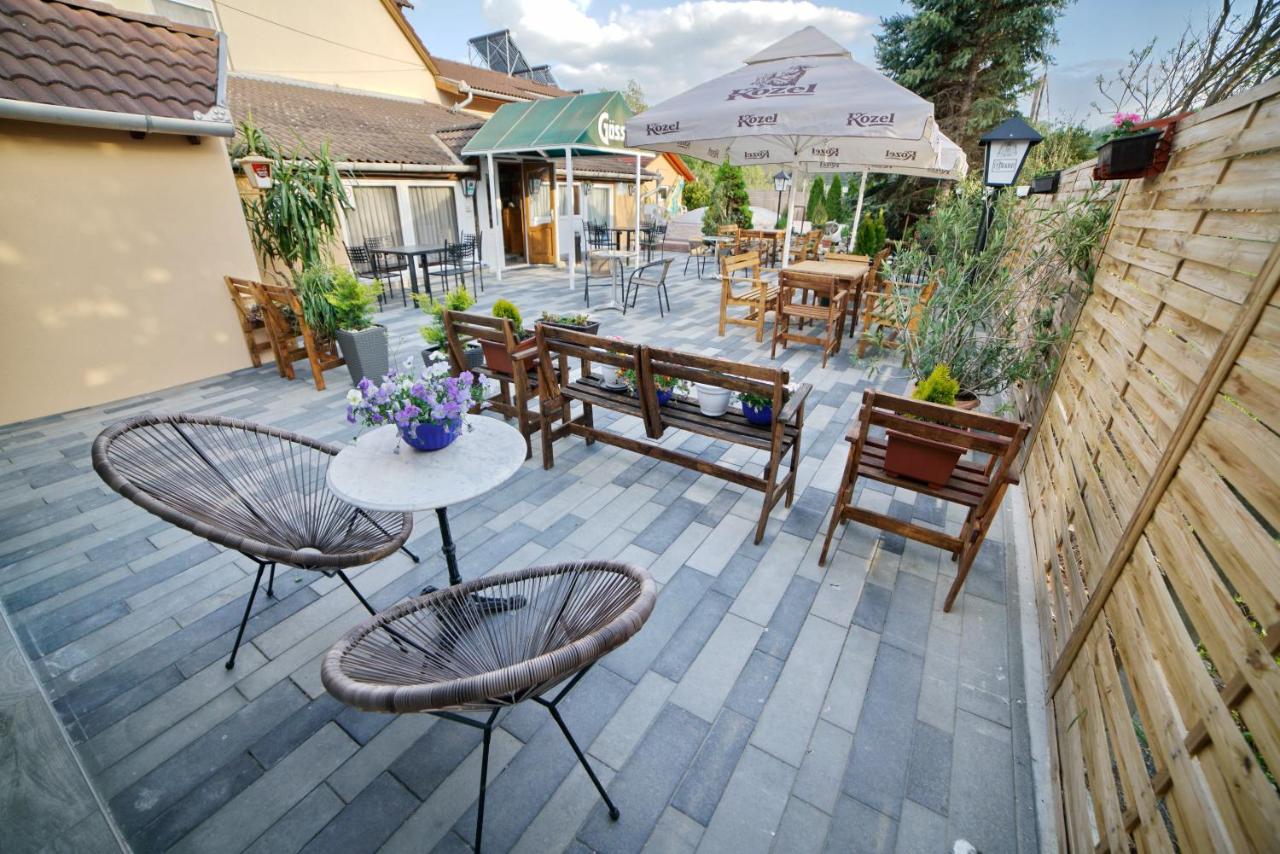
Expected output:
(848, 275)
(381, 472)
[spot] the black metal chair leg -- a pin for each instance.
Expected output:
(484, 781)
(411, 555)
(614, 812)
(363, 601)
(271, 582)
(231, 662)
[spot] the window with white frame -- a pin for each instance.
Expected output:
(376, 214)
(435, 216)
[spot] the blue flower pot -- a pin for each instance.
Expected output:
(762, 416)
(431, 437)
(664, 396)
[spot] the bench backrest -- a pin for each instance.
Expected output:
(737, 377)
(972, 431)
(556, 345)
(244, 296)
(731, 264)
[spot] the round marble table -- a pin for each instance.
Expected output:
(380, 472)
(618, 259)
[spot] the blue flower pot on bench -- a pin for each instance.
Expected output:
(761, 417)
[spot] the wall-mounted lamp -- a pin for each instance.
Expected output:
(535, 184)
(469, 187)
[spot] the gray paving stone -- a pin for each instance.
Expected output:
(645, 784)
(981, 797)
(754, 685)
(621, 735)
(803, 829)
(858, 829)
(365, 823)
(202, 802)
(692, 636)
(711, 676)
(920, 829)
(303, 821)
(780, 634)
(929, 769)
(793, 708)
(748, 815)
(677, 600)
(877, 770)
(822, 769)
(873, 607)
(906, 623)
(708, 775)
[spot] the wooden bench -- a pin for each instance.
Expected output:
(978, 485)
(517, 387)
(758, 296)
(781, 438)
(292, 339)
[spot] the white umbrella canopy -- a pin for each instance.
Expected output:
(804, 102)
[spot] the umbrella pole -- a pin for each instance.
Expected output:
(857, 214)
(573, 233)
(635, 243)
(791, 206)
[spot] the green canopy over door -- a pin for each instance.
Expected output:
(583, 124)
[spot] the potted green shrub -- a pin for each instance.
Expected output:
(496, 356)
(576, 322)
(335, 306)
(916, 457)
(433, 333)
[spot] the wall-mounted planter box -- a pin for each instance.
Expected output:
(1047, 183)
(1141, 155)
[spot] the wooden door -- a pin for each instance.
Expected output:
(511, 191)
(539, 216)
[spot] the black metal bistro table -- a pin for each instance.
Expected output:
(419, 250)
(380, 472)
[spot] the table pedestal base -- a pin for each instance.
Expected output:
(489, 604)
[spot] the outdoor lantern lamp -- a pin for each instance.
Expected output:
(535, 184)
(1005, 149)
(469, 187)
(780, 183)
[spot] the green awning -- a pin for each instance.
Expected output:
(584, 124)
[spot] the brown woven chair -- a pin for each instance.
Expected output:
(255, 489)
(444, 653)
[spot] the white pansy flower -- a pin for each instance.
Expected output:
(354, 397)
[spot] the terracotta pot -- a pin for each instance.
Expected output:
(967, 401)
(498, 359)
(917, 458)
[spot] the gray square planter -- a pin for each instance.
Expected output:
(365, 352)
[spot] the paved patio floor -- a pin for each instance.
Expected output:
(768, 705)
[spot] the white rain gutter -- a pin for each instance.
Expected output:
(396, 168)
(463, 104)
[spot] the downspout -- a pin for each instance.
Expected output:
(466, 102)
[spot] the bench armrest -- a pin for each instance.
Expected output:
(795, 404)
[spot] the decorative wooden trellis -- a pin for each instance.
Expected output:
(1153, 485)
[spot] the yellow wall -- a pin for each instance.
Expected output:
(112, 253)
(371, 53)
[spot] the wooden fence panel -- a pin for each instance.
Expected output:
(1153, 486)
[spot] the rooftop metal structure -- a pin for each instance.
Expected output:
(498, 52)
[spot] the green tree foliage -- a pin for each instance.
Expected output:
(872, 233)
(695, 195)
(1064, 146)
(835, 201)
(970, 58)
(728, 202)
(817, 196)
(634, 96)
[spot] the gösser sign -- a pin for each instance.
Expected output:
(610, 131)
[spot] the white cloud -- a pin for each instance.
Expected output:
(666, 50)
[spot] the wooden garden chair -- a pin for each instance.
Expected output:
(517, 385)
(757, 295)
(807, 250)
(978, 483)
(244, 296)
(734, 246)
(291, 338)
(883, 309)
(871, 283)
(792, 284)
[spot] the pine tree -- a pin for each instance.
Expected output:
(971, 58)
(835, 201)
(729, 202)
(816, 197)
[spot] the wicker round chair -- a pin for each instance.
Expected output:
(446, 653)
(255, 489)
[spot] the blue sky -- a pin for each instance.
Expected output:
(668, 46)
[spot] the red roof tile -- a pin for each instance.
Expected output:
(496, 81)
(74, 53)
(359, 127)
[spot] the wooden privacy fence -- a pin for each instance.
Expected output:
(1154, 495)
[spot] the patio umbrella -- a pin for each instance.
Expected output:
(802, 101)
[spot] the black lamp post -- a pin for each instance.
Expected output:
(1005, 149)
(780, 183)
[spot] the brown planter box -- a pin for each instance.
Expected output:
(918, 458)
(498, 359)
